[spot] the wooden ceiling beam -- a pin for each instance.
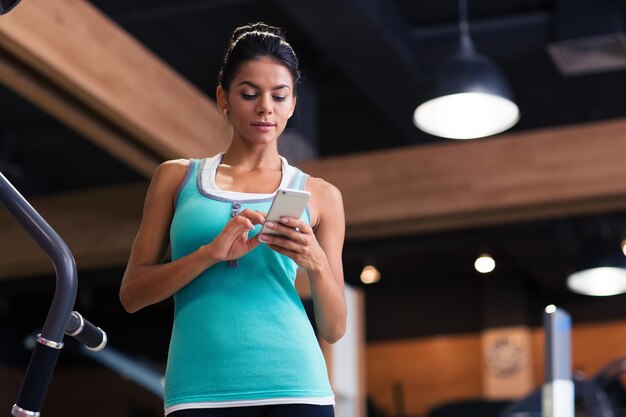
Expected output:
(556, 172)
(88, 58)
(553, 172)
(56, 102)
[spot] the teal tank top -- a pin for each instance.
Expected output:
(240, 334)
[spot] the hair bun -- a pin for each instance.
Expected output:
(254, 41)
(256, 27)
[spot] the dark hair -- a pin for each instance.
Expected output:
(255, 41)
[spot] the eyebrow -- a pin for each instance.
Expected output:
(253, 85)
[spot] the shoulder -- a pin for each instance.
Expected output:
(323, 190)
(326, 203)
(168, 176)
(172, 167)
(171, 171)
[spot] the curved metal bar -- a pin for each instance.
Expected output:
(93, 337)
(59, 252)
(43, 361)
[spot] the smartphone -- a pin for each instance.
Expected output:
(286, 203)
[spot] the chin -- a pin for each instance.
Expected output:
(262, 138)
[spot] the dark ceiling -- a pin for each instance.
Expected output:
(366, 65)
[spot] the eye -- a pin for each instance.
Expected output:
(248, 96)
(280, 98)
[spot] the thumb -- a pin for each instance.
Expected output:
(252, 243)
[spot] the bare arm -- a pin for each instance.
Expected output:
(320, 254)
(147, 280)
(327, 283)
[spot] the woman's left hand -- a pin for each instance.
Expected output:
(318, 253)
(297, 241)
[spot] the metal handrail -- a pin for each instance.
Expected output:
(60, 318)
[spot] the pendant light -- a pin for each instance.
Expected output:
(470, 98)
(602, 271)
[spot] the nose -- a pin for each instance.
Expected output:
(264, 104)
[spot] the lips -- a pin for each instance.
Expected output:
(263, 126)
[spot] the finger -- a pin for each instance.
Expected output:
(252, 243)
(256, 217)
(283, 251)
(299, 224)
(280, 241)
(238, 225)
(287, 231)
(244, 223)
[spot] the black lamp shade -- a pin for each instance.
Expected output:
(601, 254)
(468, 72)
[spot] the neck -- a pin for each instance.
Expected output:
(250, 157)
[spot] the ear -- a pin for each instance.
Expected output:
(222, 98)
(293, 105)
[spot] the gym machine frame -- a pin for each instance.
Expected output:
(60, 319)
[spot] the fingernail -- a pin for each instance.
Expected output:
(284, 220)
(263, 238)
(271, 225)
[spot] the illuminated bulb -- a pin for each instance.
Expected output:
(370, 275)
(484, 264)
(466, 115)
(550, 308)
(601, 281)
(624, 247)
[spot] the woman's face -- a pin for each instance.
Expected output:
(260, 100)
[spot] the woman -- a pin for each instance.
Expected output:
(241, 341)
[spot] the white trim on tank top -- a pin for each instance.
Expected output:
(208, 184)
(250, 403)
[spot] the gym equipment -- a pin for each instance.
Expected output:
(558, 389)
(564, 394)
(141, 372)
(60, 319)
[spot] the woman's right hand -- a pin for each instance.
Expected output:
(233, 242)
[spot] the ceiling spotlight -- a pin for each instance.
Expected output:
(602, 272)
(485, 263)
(470, 97)
(370, 275)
